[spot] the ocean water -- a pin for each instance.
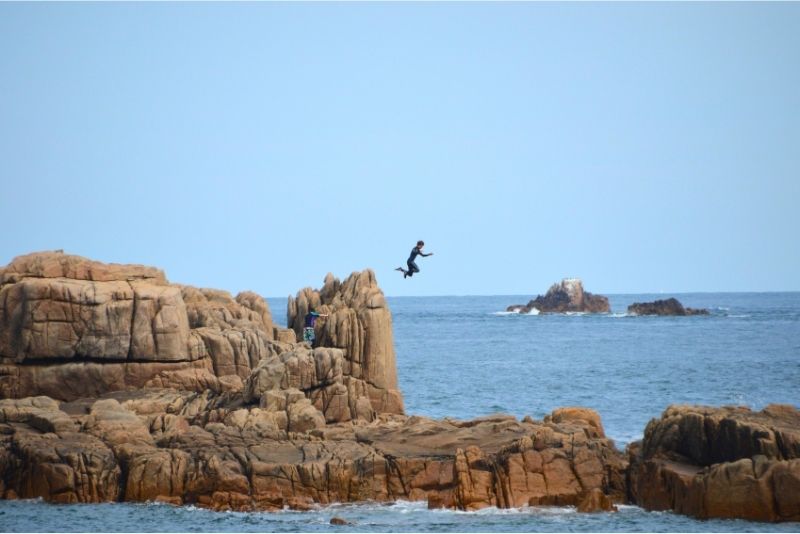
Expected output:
(465, 357)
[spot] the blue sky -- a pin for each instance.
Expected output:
(641, 147)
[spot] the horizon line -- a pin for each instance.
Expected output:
(598, 293)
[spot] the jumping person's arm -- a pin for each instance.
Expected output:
(426, 255)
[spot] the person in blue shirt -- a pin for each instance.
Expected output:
(310, 321)
(412, 266)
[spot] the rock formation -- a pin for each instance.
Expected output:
(117, 385)
(567, 296)
(671, 306)
(358, 322)
(720, 462)
(72, 327)
(224, 452)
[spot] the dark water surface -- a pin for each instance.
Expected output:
(464, 357)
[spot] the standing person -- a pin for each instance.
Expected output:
(412, 266)
(310, 321)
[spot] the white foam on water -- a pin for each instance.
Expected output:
(501, 313)
(407, 507)
(534, 311)
(493, 511)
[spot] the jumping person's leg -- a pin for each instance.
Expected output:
(412, 268)
(308, 335)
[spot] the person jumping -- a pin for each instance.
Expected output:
(412, 266)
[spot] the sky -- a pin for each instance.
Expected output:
(258, 146)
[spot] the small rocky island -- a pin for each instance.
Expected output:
(567, 296)
(117, 385)
(671, 306)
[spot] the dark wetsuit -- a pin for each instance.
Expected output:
(412, 267)
(311, 319)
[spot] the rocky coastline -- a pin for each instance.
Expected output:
(116, 385)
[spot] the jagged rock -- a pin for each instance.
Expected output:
(669, 306)
(567, 296)
(720, 462)
(215, 451)
(280, 381)
(359, 323)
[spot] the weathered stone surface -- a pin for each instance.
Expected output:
(720, 462)
(596, 501)
(564, 297)
(671, 306)
(359, 323)
(279, 381)
(73, 327)
(56, 264)
(217, 451)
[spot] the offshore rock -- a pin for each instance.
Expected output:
(567, 296)
(359, 322)
(220, 452)
(720, 462)
(671, 306)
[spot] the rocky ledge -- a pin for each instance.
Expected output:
(720, 462)
(223, 452)
(567, 296)
(671, 306)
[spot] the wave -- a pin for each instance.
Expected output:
(408, 507)
(533, 311)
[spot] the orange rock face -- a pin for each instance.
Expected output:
(358, 322)
(720, 462)
(219, 451)
(72, 327)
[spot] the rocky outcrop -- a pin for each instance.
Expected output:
(359, 323)
(565, 297)
(671, 306)
(720, 462)
(223, 451)
(71, 327)
(117, 385)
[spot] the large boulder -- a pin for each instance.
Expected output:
(359, 322)
(720, 462)
(567, 296)
(73, 327)
(670, 306)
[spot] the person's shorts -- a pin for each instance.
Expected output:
(308, 334)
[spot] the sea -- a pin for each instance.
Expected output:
(466, 357)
